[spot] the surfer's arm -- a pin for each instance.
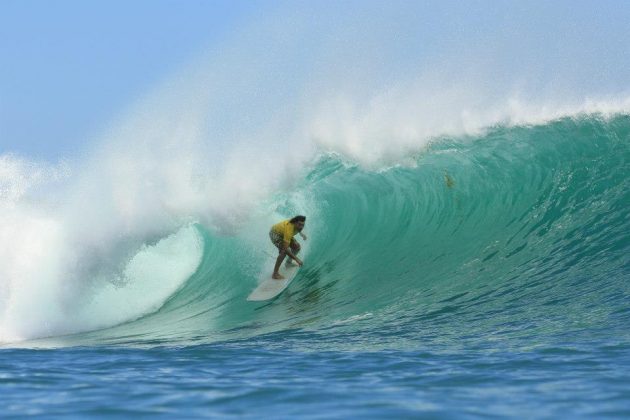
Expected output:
(287, 250)
(303, 235)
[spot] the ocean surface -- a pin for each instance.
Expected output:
(481, 275)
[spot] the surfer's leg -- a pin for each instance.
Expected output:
(276, 239)
(295, 246)
(276, 275)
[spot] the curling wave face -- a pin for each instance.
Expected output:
(519, 234)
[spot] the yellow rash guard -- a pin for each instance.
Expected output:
(285, 229)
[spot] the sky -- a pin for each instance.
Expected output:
(70, 67)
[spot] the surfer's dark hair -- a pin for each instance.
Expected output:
(298, 219)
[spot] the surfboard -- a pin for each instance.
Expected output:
(269, 288)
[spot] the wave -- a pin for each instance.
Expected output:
(523, 225)
(432, 182)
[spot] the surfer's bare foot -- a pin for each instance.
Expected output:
(277, 276)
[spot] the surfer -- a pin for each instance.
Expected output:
(281, 235)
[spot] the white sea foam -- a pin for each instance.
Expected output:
(389, 127)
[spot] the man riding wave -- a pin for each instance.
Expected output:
(281, 235)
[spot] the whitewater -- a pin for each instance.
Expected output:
(468, 255)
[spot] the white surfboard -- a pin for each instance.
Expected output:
(269, 288)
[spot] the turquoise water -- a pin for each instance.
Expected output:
(483, 275)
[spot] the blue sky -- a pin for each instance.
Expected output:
(69, 67)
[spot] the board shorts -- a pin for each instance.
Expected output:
(276, 238)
